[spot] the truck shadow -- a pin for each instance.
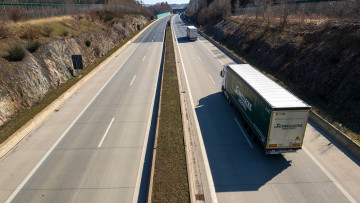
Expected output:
(234, 164)
(183, 40)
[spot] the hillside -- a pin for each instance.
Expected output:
(317, 60)
(48, 45)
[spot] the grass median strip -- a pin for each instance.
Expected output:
(24, 116)
(170, 182)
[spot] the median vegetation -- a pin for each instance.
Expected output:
(170, 181)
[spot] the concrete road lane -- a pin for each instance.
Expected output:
(94, 148)
(240, 170)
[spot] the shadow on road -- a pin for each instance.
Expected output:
(183, 40)
(235, 166)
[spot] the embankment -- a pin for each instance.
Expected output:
(318, 61)
(23, 84)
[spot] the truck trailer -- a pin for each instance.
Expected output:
(191, 33)
(273, 115)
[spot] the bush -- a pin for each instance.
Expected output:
(33, 46)
(93, 16)
(87, 43)
(106, 15)
(16, 14)
(64, 33)
(16, 53)
(4, 31)
(48, 31)
(30, 33)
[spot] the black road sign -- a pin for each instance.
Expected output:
(77, 62)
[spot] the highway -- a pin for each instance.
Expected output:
(233, 167)
(97, 146)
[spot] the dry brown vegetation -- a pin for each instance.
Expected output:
(170, 182)
(319, 61)
(285, 10)
(45, 9)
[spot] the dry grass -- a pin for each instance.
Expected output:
(170, 182)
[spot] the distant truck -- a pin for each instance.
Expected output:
(191, 33)
(271, 114)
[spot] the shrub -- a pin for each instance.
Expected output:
(93, 16)
(87, 43)
(4, 31)
(106, 15)
(47, 31)
(97, 51)
(33, 46)
(16, 53)
(30, 33)
(16, 14)
(64, 33)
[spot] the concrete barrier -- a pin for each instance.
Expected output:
(325, 126)
(335, 134)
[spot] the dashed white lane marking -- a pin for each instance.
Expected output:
(37, 166)
(212, 80)
(144, 58)
(106, 132)
(132, 80)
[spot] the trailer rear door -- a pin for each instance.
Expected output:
(287, 129)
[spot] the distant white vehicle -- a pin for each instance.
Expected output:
(191, 33)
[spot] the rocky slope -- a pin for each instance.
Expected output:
(24, 83)
(320, 61)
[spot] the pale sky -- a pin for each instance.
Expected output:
(169, 1)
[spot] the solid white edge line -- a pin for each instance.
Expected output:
(211, 52)
(132, 80)
(327, 173)
(138, 179)
(243, 132)
(106, 132)
(36, 167)
(212, 79)
(202, 145)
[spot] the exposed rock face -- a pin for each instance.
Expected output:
(27, 81)
(321, 60)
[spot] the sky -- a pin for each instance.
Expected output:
(169, 1)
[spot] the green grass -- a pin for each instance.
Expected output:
(21, 118)
(170, 183)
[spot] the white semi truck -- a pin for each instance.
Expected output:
(191, 33)
(273, 115)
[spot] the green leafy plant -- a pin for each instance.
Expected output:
(64, 33)
(47, 31)
(16, 53)
(33, 46)
(87, 43)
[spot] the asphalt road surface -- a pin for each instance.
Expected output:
(96, 148)
(238, 169)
